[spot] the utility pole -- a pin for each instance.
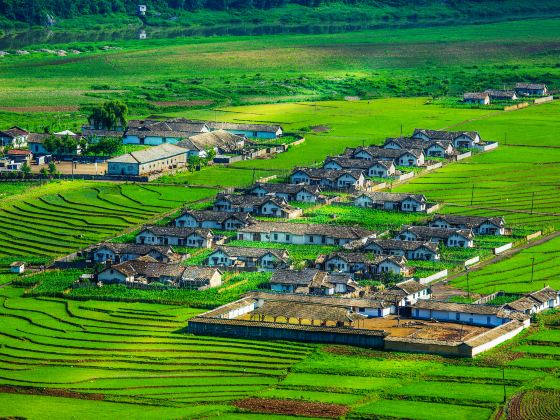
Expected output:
(532, 268)
(505, 139)
(472, 194)
(504, 382)
(532, 202)
(468, 285)
(254, 169)
(401, 129)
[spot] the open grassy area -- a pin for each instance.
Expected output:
(37, 224)
(157, 76)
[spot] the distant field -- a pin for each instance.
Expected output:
(436, 61)
(39, 223)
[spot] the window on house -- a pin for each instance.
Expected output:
(287, 237)
(457, 316)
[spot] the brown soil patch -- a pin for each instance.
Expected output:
(183, 103)
(40, 108)
(292, 408)
(320, 128)
(51, 392)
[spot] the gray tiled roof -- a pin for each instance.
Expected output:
(469, 221)
(243, 127)
(181, 232)
(217, 216)
(163, 151)
(330, 174)
(445, 135)
(428, 232)
(382, 197)
(335, 231)
(250, 252)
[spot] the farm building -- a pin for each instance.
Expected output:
(288, 192)
(329, 179)
(401, 157)
(501, 95)
(17, 267)
(433, 148)
(260, 131)
(377, 168)
(479, 225)
(142, 270)
(531, 89)
(248, 257)
(154, 133)
(209, 219)
(312, 281)
(459, 139)
(363, 265)
(259, 206)
(472, 314)
(19, 155)
(532, 303)
(222, 142)
(405, 293)
(302, 233)
(172, 235)
(121, 252)
(13, 137)
(200, 278)
(155, 159)
(392, 201)
(412, 250)
(36, 143)
(482, 98)
(462, 238)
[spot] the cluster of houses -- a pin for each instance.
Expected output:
(521, 90)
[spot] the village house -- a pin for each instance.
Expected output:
(329, 179)
(472, 314)
(260, 131)
(532, 303)
(400, 157)
(200, 278)
(481, 98)
(288, 192)
(392, 201)
(36, 143)
(222, 142)
(459, 139)
(142, 270)
(17, 267)
(121, 252)
(461, 238)
(248, 257)
(19, 155)
(377, 168)
(501, 95)
(363, 265)
(405, 293)
(209, 219)
(259, 206)
(431, 148)
(172, 235)
(479, 225)
(531, 89)
(13, 137)
(154, 133)
(160, 158)
(95, 134)
(412, 250)
(302, 233)
(312, 281)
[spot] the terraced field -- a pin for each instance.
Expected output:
(134, 359)
(59, 218)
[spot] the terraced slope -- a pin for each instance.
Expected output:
(60, 218)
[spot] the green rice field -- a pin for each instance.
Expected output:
(39, 223)
(135, 360)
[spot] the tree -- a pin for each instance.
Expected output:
(44, 172)
(109, 116)
(25, 169)
(52, 168)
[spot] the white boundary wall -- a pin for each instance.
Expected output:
(503, 248)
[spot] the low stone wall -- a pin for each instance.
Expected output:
(297, 142)
(503, 248)
(534, 235)
(433, 208)
(433, 277)
(496, 336)
(411, 345)
(463, 156)
(544, 100)
(290, 332)
(488, 298)
(267, 178)
(406, 176)
(487, 146)
(472, 261)
(516, 106)
(434, 166)
(378, 187)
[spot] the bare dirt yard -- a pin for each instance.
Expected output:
(79, 168)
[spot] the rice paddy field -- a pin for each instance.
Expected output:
(41, 222)
(69, 357)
